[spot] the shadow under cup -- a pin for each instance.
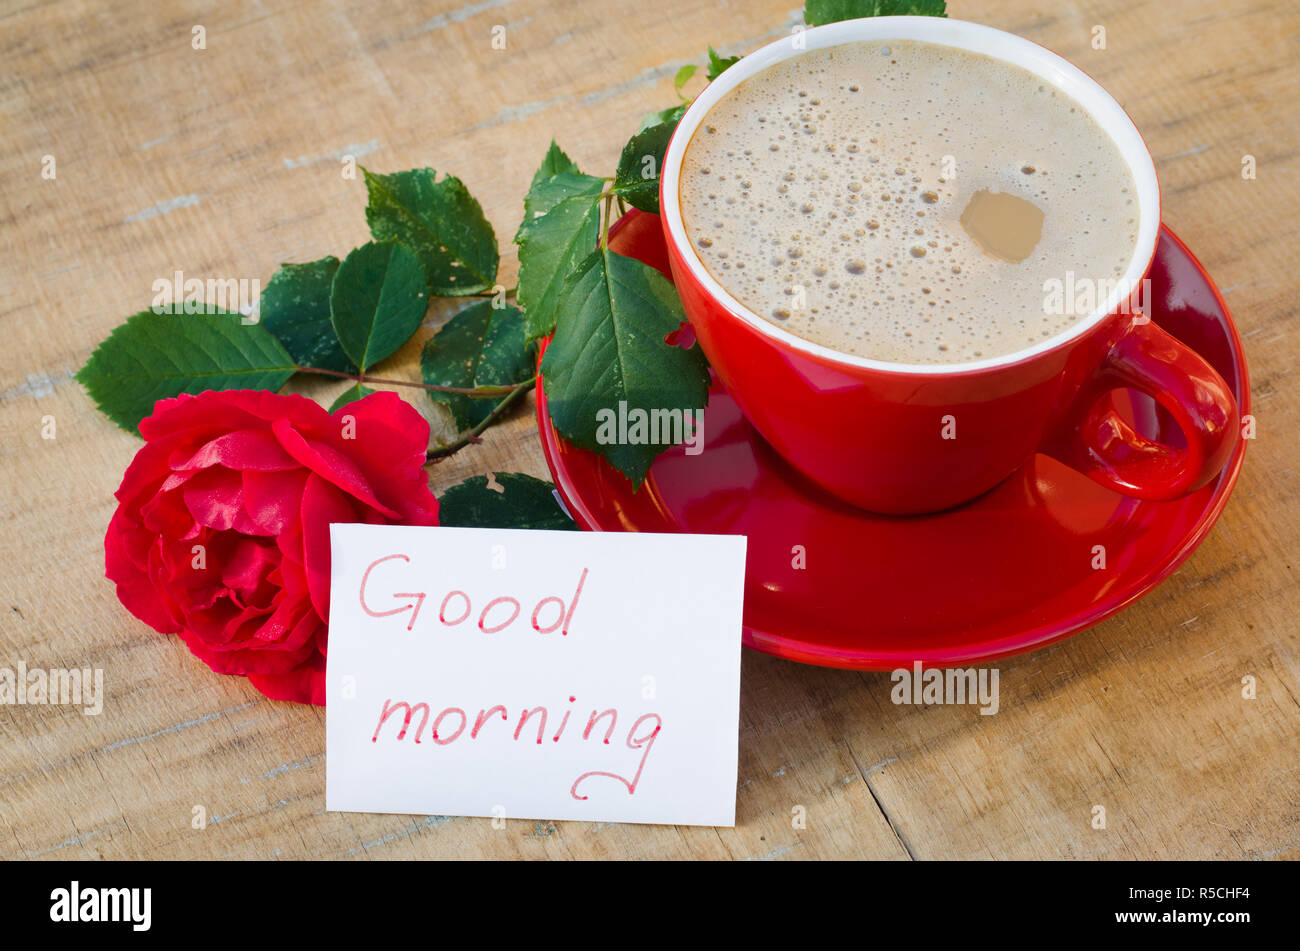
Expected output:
(912, 438)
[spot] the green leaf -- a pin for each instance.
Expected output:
(357, 391)
(609, 348)
(441, 222)
(719, 64)
(155, 356)
(377, 301)
(637, 178)
(525, 503)
(550, 247)
(295, 308)
(480, 346)
(560, 227)
(684, 76)
(672, 115)
(545, 195)
(555, 162)
(819, 12)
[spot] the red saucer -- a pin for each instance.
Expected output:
(1010, 572)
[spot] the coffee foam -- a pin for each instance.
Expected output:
(826, 193)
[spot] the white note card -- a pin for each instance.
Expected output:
(534, 675)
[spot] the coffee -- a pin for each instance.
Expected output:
(906, 201)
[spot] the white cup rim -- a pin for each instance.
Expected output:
(1045, 64)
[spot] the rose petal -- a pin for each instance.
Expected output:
(322, 504)
(225, 660)
(272, 499)
(135, 589)
(247, 570)
(147, 470)
(246, 449)
(391, 441)
(215, 412)
(308, 628)
(165, 515)
(305, 684)
(214, 498)
(329, 464)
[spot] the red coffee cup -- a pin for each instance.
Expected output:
(911, 438)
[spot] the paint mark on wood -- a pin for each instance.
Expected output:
(66, 843)
(541, 830)
(290, 767)
(356, 150)
(775, 853)
(207, 717)
(38, 385)
(1275, 852)
(214, 819)
(424, 823)
(163, 207)
(1183, 154)
(62, 270)
(240, 726)
(461, 15)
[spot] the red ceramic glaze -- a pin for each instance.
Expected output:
(1008, 572)
(905, 439)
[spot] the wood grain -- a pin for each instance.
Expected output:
(226, 161)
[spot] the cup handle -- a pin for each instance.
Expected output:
(1096, 441)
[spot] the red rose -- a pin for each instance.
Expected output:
(222, 529)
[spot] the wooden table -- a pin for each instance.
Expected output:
(226, 161)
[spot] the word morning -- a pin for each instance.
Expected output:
(452, 723)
